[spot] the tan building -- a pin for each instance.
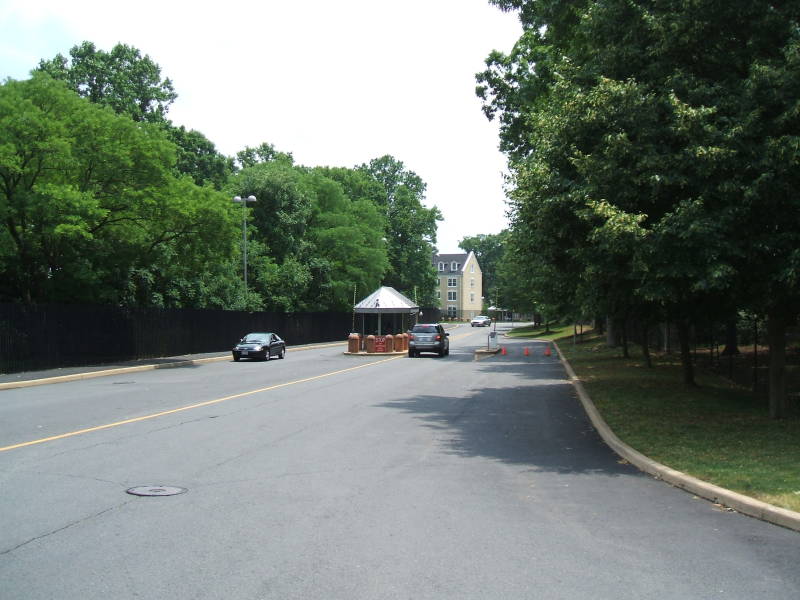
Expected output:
(460, 285)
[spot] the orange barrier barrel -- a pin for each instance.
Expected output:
(353, 343)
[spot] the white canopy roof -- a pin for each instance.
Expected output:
(386, 300)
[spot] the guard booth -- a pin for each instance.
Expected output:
(382, 319)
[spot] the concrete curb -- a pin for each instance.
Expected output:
(481, 353)
(739, 502)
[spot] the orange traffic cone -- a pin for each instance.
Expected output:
(547, 351)
(503, 350)
(527, 352)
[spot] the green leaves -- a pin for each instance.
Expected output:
(122, 79)
(89, 200)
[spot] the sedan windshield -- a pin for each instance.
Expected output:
(255, 339)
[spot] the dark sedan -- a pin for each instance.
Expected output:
(262, 346)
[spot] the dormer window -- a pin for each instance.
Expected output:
(441, 266)
(454, 266)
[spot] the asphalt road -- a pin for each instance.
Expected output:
(331, 476)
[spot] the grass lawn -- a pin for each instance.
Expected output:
(717, 432)
(552, 333)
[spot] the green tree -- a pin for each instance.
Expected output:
(198, 157)
(89, 203)
(664, 117)
(316, 243)
(410, 229)
(263, 153)
(123, 79)
(348, 236)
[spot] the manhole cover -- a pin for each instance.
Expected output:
(152, 490)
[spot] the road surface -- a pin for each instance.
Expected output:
(331, 476)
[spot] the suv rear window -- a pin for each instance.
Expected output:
(424, 329)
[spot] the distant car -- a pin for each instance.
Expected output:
(262, 345)
(428, 337)
(481, 321)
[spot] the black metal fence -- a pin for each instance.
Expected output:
(50, 336)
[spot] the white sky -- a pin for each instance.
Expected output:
(336, 83)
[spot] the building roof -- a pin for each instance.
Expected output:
(449, 259)
(459, 258)
(386, 300)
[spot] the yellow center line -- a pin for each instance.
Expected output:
(192, 406)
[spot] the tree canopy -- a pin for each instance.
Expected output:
(652, 149)
(104, 200)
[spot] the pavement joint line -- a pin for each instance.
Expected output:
(739, 502)
(10, 385)
(190, 407)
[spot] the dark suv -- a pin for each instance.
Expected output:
(428, 337)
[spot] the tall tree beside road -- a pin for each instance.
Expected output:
(310, 243)
(668, 124)
(198, 157)
(410, 229)
(131, 84)
(123, 79)
(91, 210)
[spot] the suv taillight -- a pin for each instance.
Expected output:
(411, 336)
(438, 337)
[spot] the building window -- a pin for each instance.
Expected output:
(472, 296)
(438, 294)
(472, 283)
(452, 282)
(451, 312)
(451, 296)
(454, 266)
(472, 268)
(441, 266)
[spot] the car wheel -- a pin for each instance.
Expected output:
(410, 354)
(236, 357)
(282, 352)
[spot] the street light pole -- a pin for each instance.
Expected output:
(244, 202)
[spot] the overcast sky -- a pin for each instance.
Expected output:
(336, 83)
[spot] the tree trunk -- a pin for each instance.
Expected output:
(646, 346)
(776, 336)
(599, 325)
(731, 339)
(624, 328)
(686, 353)
(755, 356)
(611, 341)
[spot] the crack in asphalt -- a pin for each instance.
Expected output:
(65, 527)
